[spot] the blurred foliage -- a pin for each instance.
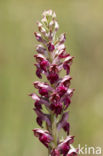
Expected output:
(82, 20)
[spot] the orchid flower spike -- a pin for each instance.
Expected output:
(54, 94)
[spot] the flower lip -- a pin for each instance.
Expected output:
(62, 38)
(64, 146)
(56, 107)
(43, 136)
(40, 49)
(40, 85)
(38, 37)
(52, 77)
(37, 104)
(34, 96)
(61, 90)
(63, 123)
(44, 64)
(42, 116)
(39, 57)
(66, 80)
(43, 92)
(72, 152)
(51, 47)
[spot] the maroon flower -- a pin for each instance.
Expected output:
(37, 105)
(38, 71)
(39, 121)
(61, 90)
(43, 136)
(63, 123)
(66, 81)
(56, 107)
(52, 77)
(42, 117)
(51, 47)
(55, 97)
(64, 147)
(66, 67)
(43, 92)
(44, 64)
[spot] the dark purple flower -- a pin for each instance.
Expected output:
(43, 136)
(66, 99)
(39, 121)
(67, 102)
(66, 127)
(61, 90)
(62, 54)
(43, 117)
(56, 107)
(68, 59)
(38, 71)
(66, 81)
(53, 74)
(63, 123)
(44, 64)
(64, 147)
(39, 58)
(51, 47)
(54, 97)
(37, 105)
(43, 92)
(52, 77)
(67, 68)
(41, 85)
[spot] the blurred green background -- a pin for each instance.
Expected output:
(82, 20)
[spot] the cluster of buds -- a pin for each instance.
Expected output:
(54, 97)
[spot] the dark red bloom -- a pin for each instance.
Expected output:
(56, 107)
(54, 97)
(42, 117)
(44, 64)
(61, 90)
(51, 47)
(53, 77)
(43, 136)
(64, 147)
(66, 81)
(67, 101)
(38, 105)
(38, 71)
(43, 92)
(63, 123)
(66, 67)
(39, 121)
